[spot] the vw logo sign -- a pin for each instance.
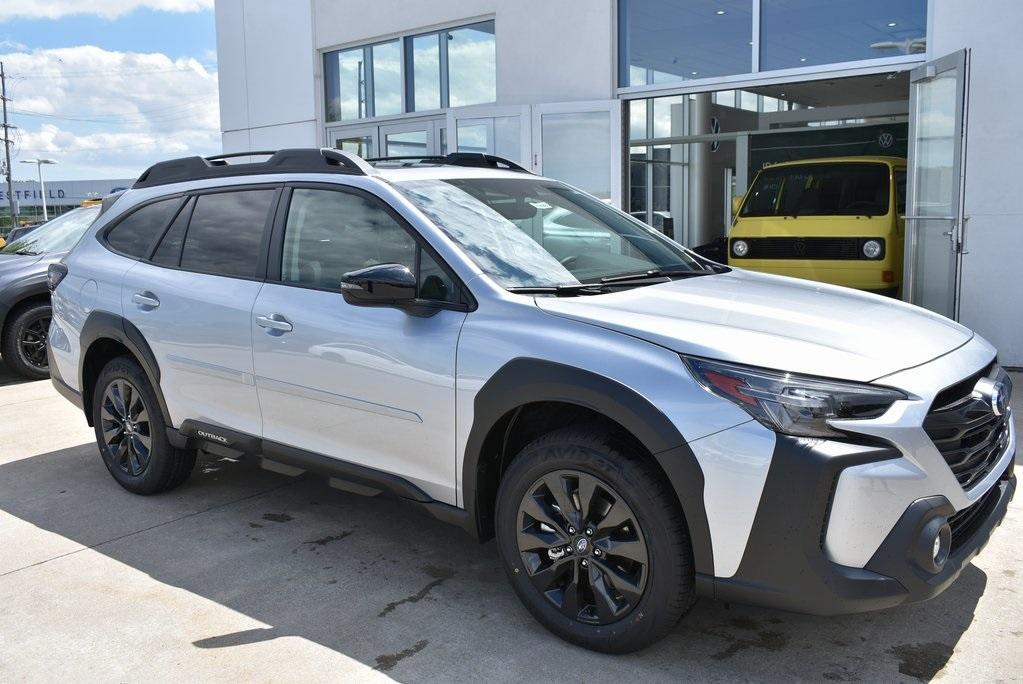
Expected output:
(885, 140)
(994, 393)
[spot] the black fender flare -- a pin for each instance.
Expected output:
(26, 288)
(524, 381)
(105, 325)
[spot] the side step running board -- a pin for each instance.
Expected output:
(193, 434)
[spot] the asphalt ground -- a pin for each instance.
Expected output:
(243, 574)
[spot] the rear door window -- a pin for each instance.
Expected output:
(135, 234)
(225, 234)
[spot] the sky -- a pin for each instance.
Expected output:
(108, 87)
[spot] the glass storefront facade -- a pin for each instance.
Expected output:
(690, 154)
(423, 72)
(672, 41)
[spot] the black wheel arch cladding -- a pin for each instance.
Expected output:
(524, 381)
(102, 325)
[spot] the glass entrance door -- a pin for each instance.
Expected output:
(501, 131)
(408, 138)
(579, 143)
(357, 140)
(934, 222)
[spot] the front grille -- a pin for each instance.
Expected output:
(806, 248)
(968, 434)
(965, 522)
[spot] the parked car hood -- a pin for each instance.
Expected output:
(773, 322)
(14, 267)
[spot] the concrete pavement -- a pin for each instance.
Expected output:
(245, 574)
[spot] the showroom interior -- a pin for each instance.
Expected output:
(669, 109)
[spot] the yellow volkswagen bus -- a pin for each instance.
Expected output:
(837, 220)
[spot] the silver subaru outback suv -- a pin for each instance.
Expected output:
(636, 425)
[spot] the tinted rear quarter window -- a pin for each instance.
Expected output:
(169, 251)
(225, 234)
(135, 233)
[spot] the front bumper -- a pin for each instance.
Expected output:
(785, 565)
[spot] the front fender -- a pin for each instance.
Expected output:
(525, 381)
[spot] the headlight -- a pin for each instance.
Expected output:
(872, 249)
(740, 248)
(792, 404)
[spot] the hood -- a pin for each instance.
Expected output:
(10, 263)
(773, 322)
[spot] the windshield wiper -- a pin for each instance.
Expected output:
(561, 290)
(656, 274)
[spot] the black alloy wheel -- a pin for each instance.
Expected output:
(32, 342)
(126, 429)
(582, 547)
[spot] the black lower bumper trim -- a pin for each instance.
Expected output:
(895, 557)
(65, 391)
(784, 565)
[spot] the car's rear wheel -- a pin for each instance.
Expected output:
(594, 541)
(131, 432)
(24, 342)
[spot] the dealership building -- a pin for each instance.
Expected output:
(668, 108)
(59, 196)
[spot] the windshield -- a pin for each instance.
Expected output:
(841, 189)
(531, 232)
(58, 235)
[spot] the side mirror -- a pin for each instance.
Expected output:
(381, 285)
(737, 204)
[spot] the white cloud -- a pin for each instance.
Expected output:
(12, 45)
(108, 9)
(103, 113)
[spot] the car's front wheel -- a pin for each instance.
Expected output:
(594, 541)
(131, 432)
(24, 341)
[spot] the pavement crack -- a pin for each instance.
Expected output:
(440, 575)
(152, 527)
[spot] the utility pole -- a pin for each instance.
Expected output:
(7, 128)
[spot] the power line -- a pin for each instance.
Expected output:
(170, 113)
(209, 68)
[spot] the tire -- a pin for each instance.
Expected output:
(650, 585)
(24, 342)
(136, 452)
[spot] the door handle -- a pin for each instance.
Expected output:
(146, 300)
(274, 322)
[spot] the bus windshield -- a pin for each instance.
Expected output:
(828, 189)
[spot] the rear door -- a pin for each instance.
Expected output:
(192, 300)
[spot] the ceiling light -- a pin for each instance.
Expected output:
(719, 12)
(802, 59)
(891, 24)
(694, 73)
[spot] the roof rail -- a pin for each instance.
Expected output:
(296, 160)
(468, 159)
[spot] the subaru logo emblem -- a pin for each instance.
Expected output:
(993, 393)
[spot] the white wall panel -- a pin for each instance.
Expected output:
(992, 282)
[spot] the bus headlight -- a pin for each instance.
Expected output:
(872, 249)
(740, 248)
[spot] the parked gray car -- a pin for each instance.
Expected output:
(24, 297)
